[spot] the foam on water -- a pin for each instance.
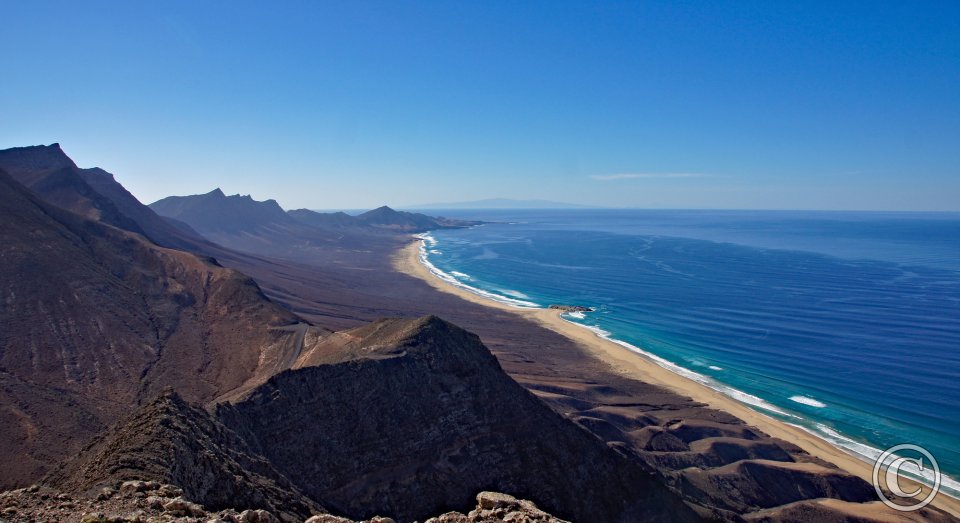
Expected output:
(426, 239)
(810, 402)
(513, 293)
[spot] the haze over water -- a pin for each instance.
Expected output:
(845, 323)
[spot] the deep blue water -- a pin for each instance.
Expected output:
(845, 323)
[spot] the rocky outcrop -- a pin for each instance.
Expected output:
(416, 416)
(494, 507)
(170, 442)
(571, 308)
(140, 502)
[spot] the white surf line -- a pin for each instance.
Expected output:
(506, 300)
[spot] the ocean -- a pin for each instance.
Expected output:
(844, 323)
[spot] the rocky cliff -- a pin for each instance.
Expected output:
(168, 441)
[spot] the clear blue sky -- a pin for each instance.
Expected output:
(798, 105)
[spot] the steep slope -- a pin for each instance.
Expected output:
(94, 319)
(171, 442)
(50, 173)
(92, 193)
(410, 418)
(157, 229)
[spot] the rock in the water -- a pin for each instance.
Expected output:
(571, 308)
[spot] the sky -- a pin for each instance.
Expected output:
(355, 104)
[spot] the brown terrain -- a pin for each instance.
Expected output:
(122, 360)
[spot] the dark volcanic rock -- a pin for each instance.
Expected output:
(171, 442)
(420, 418)
(571, 308)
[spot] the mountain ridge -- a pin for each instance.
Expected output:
(93, 193)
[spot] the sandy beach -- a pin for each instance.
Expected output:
(637, 366)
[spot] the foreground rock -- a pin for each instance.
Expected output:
(493, 507)
(144, 502)
(168, 442)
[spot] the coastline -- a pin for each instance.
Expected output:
(637, 366)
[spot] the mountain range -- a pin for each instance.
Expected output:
(132, 349)
(502, 203)
(215, 214)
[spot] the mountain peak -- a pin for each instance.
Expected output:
(35, 158)
(216, 192)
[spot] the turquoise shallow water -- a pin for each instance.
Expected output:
(847, 324)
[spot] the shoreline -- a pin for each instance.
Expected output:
(637, 366)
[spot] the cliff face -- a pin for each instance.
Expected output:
(94, 319)
(415, 416)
